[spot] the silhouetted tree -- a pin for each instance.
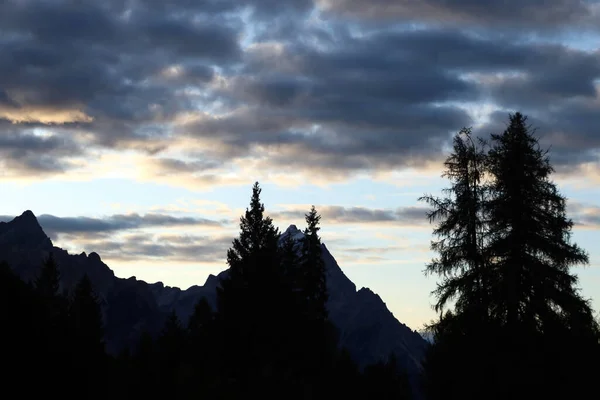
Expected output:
(87, 340)
(314, 282)
(86, 318)
(170, 346)
(462, 261)
(533, 292)
(202, 354)
(384, 380)
(462, 265)
(252, 304)
(47, 283)
(144, 368)
(53, 323)
(505, 257)
(290, 251)
(22, 344)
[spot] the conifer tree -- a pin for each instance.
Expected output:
(171, 345)
(530, 233)
(87, 339)
(86, 316)
(534, 293)
(201, 352)
(252, 303)
(314, 280)
(20, 337)
(506, 245)
(201, 318)
(53, 318)
(463, 268)
(461, 248)
(290, 261)
(47, 283)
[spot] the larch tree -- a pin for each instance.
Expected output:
(462, 260)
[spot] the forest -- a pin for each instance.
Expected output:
(512, 323)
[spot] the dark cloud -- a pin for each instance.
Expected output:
(54, 226)
(167, 248)
(568, 131)
(108, 63)
(281, 84)
(27, 154)
(531, 14)
(360, 215)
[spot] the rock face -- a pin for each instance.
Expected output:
(367, 328)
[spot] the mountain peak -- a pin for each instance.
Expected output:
(293, 232)
(28, 214)
(292, 228)
(28, 217)
(24, 231)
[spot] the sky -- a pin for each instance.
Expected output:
(136, 128)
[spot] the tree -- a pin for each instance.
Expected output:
(383, 380)
(252, 302)
(21, 340)
(530, 233)
(462, 265)
(52, 320)
(47, 283)
(170, 346)
(290, 251)
(86, 316)
(534, 292)
(313, 279)
(462, 262)
(202, 355)
(201, 318)
(506, 245)
(87, 339)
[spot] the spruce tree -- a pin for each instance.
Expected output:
(47, 283)
(201, 319)
(534, 293)
(87, 339)
(290, 262)
(252, 303)
(201, 354)
(53, 321)
(313, 279)
(21, 342)
(86, 316)
(170, 345)
(145, 367)
(530, 233)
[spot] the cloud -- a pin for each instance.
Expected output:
(359, 215)
(27, 154)
(530, 15)
(152, 247)
(585, 216)
(213, 92)
(112, 224)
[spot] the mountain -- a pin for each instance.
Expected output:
(366, 326)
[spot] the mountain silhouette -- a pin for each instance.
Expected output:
(130, 306)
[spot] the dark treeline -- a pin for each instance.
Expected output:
(512, 323)
(269, 336)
